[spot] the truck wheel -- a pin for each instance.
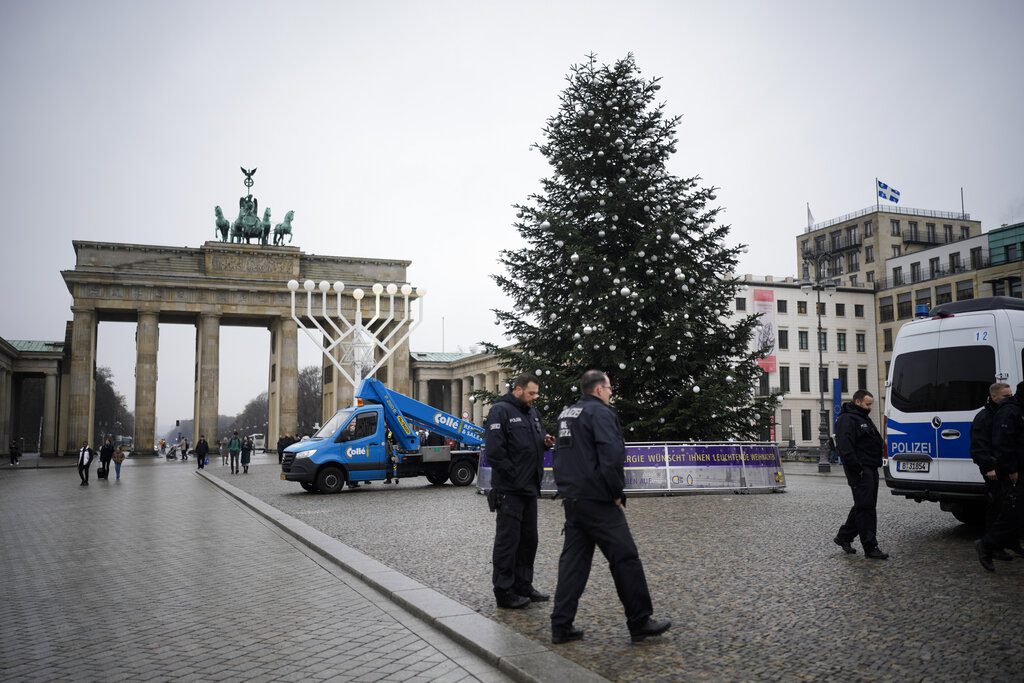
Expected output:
(437, 478)
(330, 480)
(462, 472)
(308, 485)
(972, 515)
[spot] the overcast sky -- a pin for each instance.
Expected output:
(402, 130)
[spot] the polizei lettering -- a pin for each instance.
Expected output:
(445, 420)
(910, 447)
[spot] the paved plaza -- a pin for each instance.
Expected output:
(162, 577)
(165, 577)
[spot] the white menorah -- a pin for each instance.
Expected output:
(357, 340)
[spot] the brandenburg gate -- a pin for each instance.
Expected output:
(217, 284)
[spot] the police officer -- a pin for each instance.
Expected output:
(1008, 448)
(985, 459)
(514, 445)
(590, 456)
(860, 447)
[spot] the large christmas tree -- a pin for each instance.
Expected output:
(627, 271)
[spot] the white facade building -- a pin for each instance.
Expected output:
(849, 351)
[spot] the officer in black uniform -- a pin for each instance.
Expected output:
(514, 445)
(985, 459)
(590, 455)
(861, 448)
(1008, 448)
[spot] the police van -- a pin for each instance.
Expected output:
(941, 369)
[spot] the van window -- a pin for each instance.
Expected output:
(945, 379)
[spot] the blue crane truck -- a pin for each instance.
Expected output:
(354, 445)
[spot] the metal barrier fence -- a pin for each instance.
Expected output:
(674, 468)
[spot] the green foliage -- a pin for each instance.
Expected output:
(625, 269)
(112, 417)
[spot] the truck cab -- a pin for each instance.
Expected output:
(377, 441)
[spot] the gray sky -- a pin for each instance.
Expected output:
(402, 129)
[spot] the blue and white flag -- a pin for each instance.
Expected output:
(886, 192)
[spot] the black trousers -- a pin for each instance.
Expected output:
(589, 523)
(996, 489)
(862, 520)
(83, 473)
(515, 545)
(234, 461)
(1008, 518)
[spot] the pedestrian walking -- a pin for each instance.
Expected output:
(106, 454)
(14, 452)
(514, 444)
(1008, 449)
(202, 450)
(118, 458)
(282, 443)
(84, 460)
(234, 448)
(246, 454)
(589, 467)
(861, 448)
(985, 459)
(223, 450)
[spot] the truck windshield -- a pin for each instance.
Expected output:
(332, 425)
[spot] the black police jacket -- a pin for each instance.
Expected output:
(1008, 435)
(857, 438)
(981, 437)
(514, 446)
(590, 453)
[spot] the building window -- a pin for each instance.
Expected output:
(1011, 253)
(844, 381)
(853, 262)
(837, 240)
(965, 290)
(947, 232)
(841, 310)
(896, 251)
(805, 425)
(897, 276)
(913, 231)
(862, 378)
(915, 272)
(929, 230)
(954, 262)
(805, 379)
(783, 340)
(840, 341)
(904, 306)
(885, 309)
(823, 380)
(887, 339)
(869, 254)
(784, 379)
(895, 225)
(819, 308)
(933, 267)
(976, 258)
(862, 345)
(780, 306)
(801, 307)
(871, 276)
(823, 341)
(852, 235)
(965, 232)
(869, 229)
(858, 310)
(837, 265)
(741, 303)
(819, 243)
(943, 294)
(801, 339)
(923, 297)
(853, 280)
(763, 387)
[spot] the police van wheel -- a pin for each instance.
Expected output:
(330, 480)
(462, 472)
(437, 478)
(308, 485)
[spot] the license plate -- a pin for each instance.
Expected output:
(282, 477)
(913, 465)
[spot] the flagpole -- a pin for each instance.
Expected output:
(877, 205)
(963, 211)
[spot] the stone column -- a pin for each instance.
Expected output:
(492, 383)
(288, 377)
(465, 406)
(207, 394)
(5, 410)
(147, 343)
(455, 397)
(423, 390)
(82, 397)
(49, 445)
(479, 382)
(503, 379)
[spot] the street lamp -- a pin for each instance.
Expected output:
(821, 283)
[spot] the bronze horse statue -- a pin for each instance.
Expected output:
(285, 228)
(222, 224)
(266, 226)
(248, 224)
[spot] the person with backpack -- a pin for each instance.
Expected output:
(234, 449)
(202, 450)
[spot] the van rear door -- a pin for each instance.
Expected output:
(910, 438)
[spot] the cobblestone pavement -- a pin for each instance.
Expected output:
(754, 585)
(163, 577)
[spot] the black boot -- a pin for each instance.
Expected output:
(984, 556)
(566, 635)
(511, 601)
(845, 545)
(651, 627)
